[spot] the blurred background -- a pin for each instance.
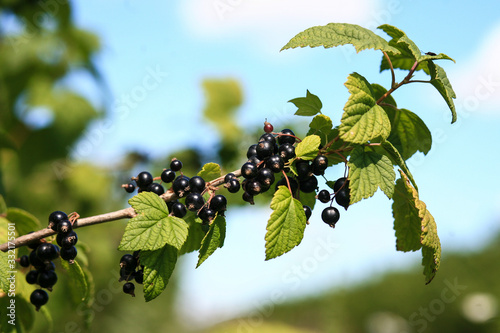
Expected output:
(92, 93)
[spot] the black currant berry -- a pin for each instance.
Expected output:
(139, 276)
(253, 187)
(32, 276)
(144, 179)
(167, 175)
(249, 170)
(264, 149)
(69, 254)
(307, 211)
(229, 176)
(207, 214)
(268, 128)
(248, 198)
(24, 261)
(55, 218)
(339, 183)
(324, 196)
(47, 252)
(64, 227)
(319, 165)
(330, 215)
(218, 203)
(194, 201)
(46, 279)
(34, 260)
(176, 165)
(265, 176)
(156, 188)
(179, 209)
(268, 137)
(130, 187)
(233, 185)
(343, 197)
(196, 184)
(39, 298)
(309, 184)
(286, 151)
(285, 137)
(275, 163)
(68, 240)
(49, 266)
(128, 288)
(126, 275)
(293, 184)
(303, 169)
(34, 244)
(128, 261)
(252, 151)
(180, 186)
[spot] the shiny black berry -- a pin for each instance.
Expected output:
(32, 276)
(319, 165)
(130, 187)
(303, 169)
(330, 215)
(286, 151)
(194, 201)
(34, 260)
(156, 188)
(286, 137)
(46, 279)
(269, 138)
(252, 151)
(196, 184)
(339, 183)
(233, 185)
(64, 227)
(144, 179)
(207, 214)
(180, 186)
(128, 261)
(179, 209)
(343, 197)
(307, 211)
(55, 218)
(253, 187)
(293, 184)
(69, 254)
(248, 198)
(229, 176)
(324, 196)
(68, 240)
(24, 261)
(275, 163)
(128, 288)
(264, 149)
(139, 276)
(265, 176)
(167, 175)
(249, 170)
(309, 184)
(176, 165)
(218, 203)
(47, 252)
(39, 298)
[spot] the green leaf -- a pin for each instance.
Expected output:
(336, 34)
(379, 91)
(401, 42)
(195, 234)
(409, 133)
(307, 106)
(415, 227)
(285, 228)
(78, 280)
(308, 148)
(210, 171)
(4, 271)
(363, 120)
(24, 221)
(158, 267)
(440, 81)
(152, 228)
(368, 171)
(213, 239)
(396, 158)
(48, 317)
(308, 199)
(321, 123)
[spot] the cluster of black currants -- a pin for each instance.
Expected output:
(66, 237)
(188, 190)
(131, 270)
(341, 194)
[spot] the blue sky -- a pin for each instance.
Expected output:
(185, 42)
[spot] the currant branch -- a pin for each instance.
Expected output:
(97, 219)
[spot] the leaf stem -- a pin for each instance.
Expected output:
(393, 83)
(396, 86)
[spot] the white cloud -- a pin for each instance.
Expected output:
(278, 20)
(477, 81)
